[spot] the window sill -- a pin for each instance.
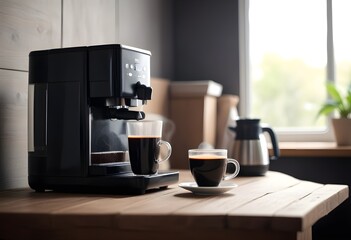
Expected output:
(313, 149)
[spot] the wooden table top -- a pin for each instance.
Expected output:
(272, 202)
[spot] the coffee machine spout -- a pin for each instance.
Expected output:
(143, 92)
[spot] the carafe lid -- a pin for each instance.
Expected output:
(248, 129)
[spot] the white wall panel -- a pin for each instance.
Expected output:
(27, 26)
(88, 22)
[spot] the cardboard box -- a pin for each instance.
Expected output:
(227, 115)
(159, 103)
(196, 88)
(195, 118)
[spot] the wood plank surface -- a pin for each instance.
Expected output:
(26, 26)
(264, 208)
(13, 129)
(89, 22)
(275, 206)
(312, 149)
(310, 209)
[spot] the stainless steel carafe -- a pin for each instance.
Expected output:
(250, 147)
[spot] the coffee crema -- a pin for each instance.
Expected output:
(206, 157)
(143, 136)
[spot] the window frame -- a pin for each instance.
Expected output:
(295, 134)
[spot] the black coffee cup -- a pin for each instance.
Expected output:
(208, 166)
(143, 154)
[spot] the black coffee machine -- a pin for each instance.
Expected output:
(78, 102)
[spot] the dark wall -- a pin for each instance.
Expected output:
(336, 170)
(149, 25)
(206, 42)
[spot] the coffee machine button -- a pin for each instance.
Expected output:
(138, 67)
(127, 65)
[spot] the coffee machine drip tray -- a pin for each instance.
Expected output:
(122, 183)
(104, 169)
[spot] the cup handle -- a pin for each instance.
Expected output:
(237, 169)
(169, 147)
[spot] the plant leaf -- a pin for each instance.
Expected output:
(336, 102)
(348, 100)
(334, 92)
(327, 108)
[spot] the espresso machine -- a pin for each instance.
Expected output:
(79, 100)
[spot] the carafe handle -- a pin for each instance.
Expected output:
(274, 141)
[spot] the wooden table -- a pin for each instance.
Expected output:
(276, 206)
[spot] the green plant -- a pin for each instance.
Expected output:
(337, 102)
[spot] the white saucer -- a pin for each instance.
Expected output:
(222, 188)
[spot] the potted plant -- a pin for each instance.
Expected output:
(342, 105)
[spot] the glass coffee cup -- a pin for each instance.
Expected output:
(144, 143)
(209, 166)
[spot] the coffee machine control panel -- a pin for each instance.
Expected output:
(131, 66)
(136, 66)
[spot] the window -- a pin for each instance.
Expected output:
(342, 42)
(289, 49)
